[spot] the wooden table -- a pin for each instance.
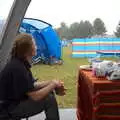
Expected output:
(97, 97)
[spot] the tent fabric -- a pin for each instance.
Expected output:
(46, 39)
(88, 47)
(37, 23)
(53, 44)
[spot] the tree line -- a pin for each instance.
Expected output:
(84, 29)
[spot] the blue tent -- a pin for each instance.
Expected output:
(47, 41)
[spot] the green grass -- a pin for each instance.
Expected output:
(67, 72)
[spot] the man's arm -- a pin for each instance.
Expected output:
(39, 85)
(43, 92)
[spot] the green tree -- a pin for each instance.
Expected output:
(85, 29)
(99, 27)
(117, 33)
(74, 30)
(63, 31)
(81, 30)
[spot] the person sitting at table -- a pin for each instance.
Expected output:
(20, 94)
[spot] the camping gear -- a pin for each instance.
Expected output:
(101, 69)
(114, 75)
(47, 41)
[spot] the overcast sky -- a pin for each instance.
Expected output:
(69, 11)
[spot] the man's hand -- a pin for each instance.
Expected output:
(58, 83)
(60, 89)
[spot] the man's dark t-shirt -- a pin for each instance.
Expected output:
(16, 80)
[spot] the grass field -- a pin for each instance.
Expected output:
(66, 72)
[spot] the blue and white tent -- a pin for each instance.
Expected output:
(47, 41)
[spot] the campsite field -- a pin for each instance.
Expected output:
(67, 72)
